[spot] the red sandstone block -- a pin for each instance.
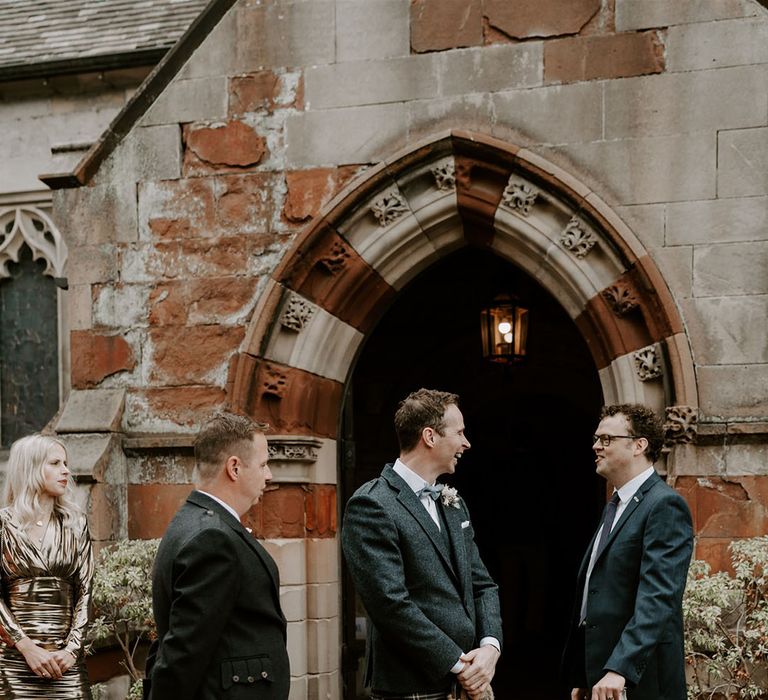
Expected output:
(103, 511)
(245, 203)
(226, 147)
(523, 20)
(596, 57)
(714, 551)
(254, 92)
(189, 354)
(282, 512)
(199, 301)
(181, 208)
(320, 502)
(224, 256)
(151, 507)
(437, 25)
(96, 356)
(309, 190)
(184, 405)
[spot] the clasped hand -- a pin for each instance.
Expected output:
(44, 663)
(478, 671)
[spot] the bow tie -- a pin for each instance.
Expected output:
(432, 491)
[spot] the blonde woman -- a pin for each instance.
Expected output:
(46, 567)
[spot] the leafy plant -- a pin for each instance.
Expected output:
(122, 601)
(726, 626)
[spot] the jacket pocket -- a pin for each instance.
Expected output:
(246, 670)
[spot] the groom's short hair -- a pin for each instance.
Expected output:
(221, 436)
(421, 409)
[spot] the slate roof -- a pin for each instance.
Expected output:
(66, 35)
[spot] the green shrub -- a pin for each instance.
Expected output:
(726, 626)
(122, 601)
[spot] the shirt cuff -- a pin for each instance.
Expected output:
(458, 667)
(492, 641)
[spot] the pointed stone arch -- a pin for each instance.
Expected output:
(458, 189)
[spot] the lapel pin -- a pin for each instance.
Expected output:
(637, 500)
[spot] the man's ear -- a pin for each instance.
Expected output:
(642, 445)
(232, 468)
(428, 435)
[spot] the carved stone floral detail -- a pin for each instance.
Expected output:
(621, 297)
(297, 449)
(275, 383)
(648, 363)
(336, 259)
(445, 176)
(296, 313)
(576, 238)
(519, 195)
(680, 425)
(389, 207)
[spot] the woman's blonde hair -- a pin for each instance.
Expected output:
(24, 482)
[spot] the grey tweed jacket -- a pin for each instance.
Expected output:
(428, 595)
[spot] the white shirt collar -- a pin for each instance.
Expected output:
(221, 503)
(409, 476)
(630, 488)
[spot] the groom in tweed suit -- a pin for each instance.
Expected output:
(434, 613)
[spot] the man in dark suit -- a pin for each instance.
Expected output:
(627, 629)
(433, 608)
(215, 589)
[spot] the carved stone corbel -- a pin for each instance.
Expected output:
(648, 363)
(519, 196)
(577, 239)
(621, 297)
(680, 425)
(296, 313)
(336, 259)
(389, 207)
(445, 176)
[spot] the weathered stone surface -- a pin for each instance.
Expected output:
(647, 222)
(96, 356)
(224, 147)
(643, 14)
(445, 24)
(309, 190)
(686, 102)
(181, 405)
(192, 355)
(292, 401)
(344, 136)
(161, 467)
(723, 330)
(290, 557)
(296, 644)
(732, 269)
(254, 92)
(280, 513)
(146, 153)
(245, 203)
(676, 265)
(539, 113)
(324, 685)
(371, 82)
(733, 390)
(188, 101)
(706, 45)
(92, 411)
(201, 301)
(177, 209)
(97, 215)
(323, 646)
(539, 19)
(598, 57)
(152, 506)
(106, 512)
(92, 264)
(323, 600)
(471, 112)
(647, 170)
(742, 163)
(491, 69)
(367, 30)
(119, 305)
(320, 508)
(299, 34)
(717, 221)
(89, 456)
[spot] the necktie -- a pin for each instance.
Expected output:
(432, 491)
(608, 517)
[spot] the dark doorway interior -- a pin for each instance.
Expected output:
(529, 477)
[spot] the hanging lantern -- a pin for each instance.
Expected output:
(504, 330)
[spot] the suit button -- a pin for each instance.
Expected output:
(235, 678)
(209, 512)
(251, 679)
(264, 674)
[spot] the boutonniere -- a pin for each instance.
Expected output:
(450, 497)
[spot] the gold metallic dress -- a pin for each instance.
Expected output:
(45, 596)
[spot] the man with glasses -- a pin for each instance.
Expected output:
(626, 637)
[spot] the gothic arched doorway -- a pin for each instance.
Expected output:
(528, 479)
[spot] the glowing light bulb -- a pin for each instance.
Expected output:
(507, 337)
(505, 327)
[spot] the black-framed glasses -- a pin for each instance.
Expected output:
(605, 440)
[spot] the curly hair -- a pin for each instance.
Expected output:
(421, 409)
(643, 422)
(222, 435)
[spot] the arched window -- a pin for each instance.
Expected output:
(32, 260)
